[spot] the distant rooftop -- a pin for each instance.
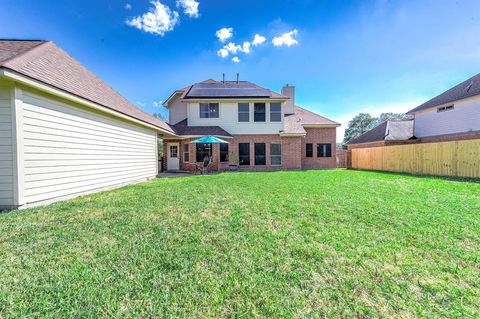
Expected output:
(392, 130)
(468, 88)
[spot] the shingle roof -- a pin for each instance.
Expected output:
(228, 89)
(13, 48)
(392, 130)
(294, 122)
(46, 62)
(468, 88)
(181, 128)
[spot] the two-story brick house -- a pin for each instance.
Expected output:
(265, 130)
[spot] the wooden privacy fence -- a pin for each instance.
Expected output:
(456, 158)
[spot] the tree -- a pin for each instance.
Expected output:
(364, 122)
(392, 116)
(360, 124)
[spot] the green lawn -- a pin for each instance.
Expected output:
(285, 244)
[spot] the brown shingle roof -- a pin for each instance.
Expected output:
(468, 88)
(294, 122)
(46, 62)
(182, 128)
(391, 130)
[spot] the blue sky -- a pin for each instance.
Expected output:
(345, 57)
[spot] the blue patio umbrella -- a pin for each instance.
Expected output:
(209, 139)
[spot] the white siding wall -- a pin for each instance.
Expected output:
(6, 149)
(465, 117)
(228, 120)
(177, 110)
(69, 151)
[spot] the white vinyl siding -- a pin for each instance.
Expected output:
(70, 151)
(6, 149)
(177, 110)
(464, 117)
(228, 119)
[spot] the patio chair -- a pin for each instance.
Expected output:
(206, 162)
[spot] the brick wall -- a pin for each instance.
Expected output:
(293, 151)
(288, 149)
(316, 136)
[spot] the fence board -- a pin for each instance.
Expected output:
(454, 158)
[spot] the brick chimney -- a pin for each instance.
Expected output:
(289, 91)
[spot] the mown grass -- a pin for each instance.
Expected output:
(278, 245)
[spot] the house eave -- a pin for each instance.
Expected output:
(293, 134)
(185, 137)
(39, 85)
(321, 125)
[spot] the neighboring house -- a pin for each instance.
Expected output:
(391, 132)
(64, 132)
(265, 130)
(454, 114)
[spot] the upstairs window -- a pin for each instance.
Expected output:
(223, 152)
(243, 112)
(324, 150)
(275, 112)
(209, 110)
(309, 150)
(445, 108)
(259, 112)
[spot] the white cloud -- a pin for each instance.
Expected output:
(286, 39)
(258, 40)
(157, 103)
(128, 6)
(224, 34)
(246, 47)
(222, 53)
(142, 104)
(236, 59)
(158, 20)
(190, 7)
(234, 48)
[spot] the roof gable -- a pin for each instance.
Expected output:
(468, 88)
(51, 65)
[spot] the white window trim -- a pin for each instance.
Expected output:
(445, 108)
(208, 118)
(249, 113)
(187, 152)
(270, 112)
(281, 157)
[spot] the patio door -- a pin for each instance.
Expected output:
(173, 160)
